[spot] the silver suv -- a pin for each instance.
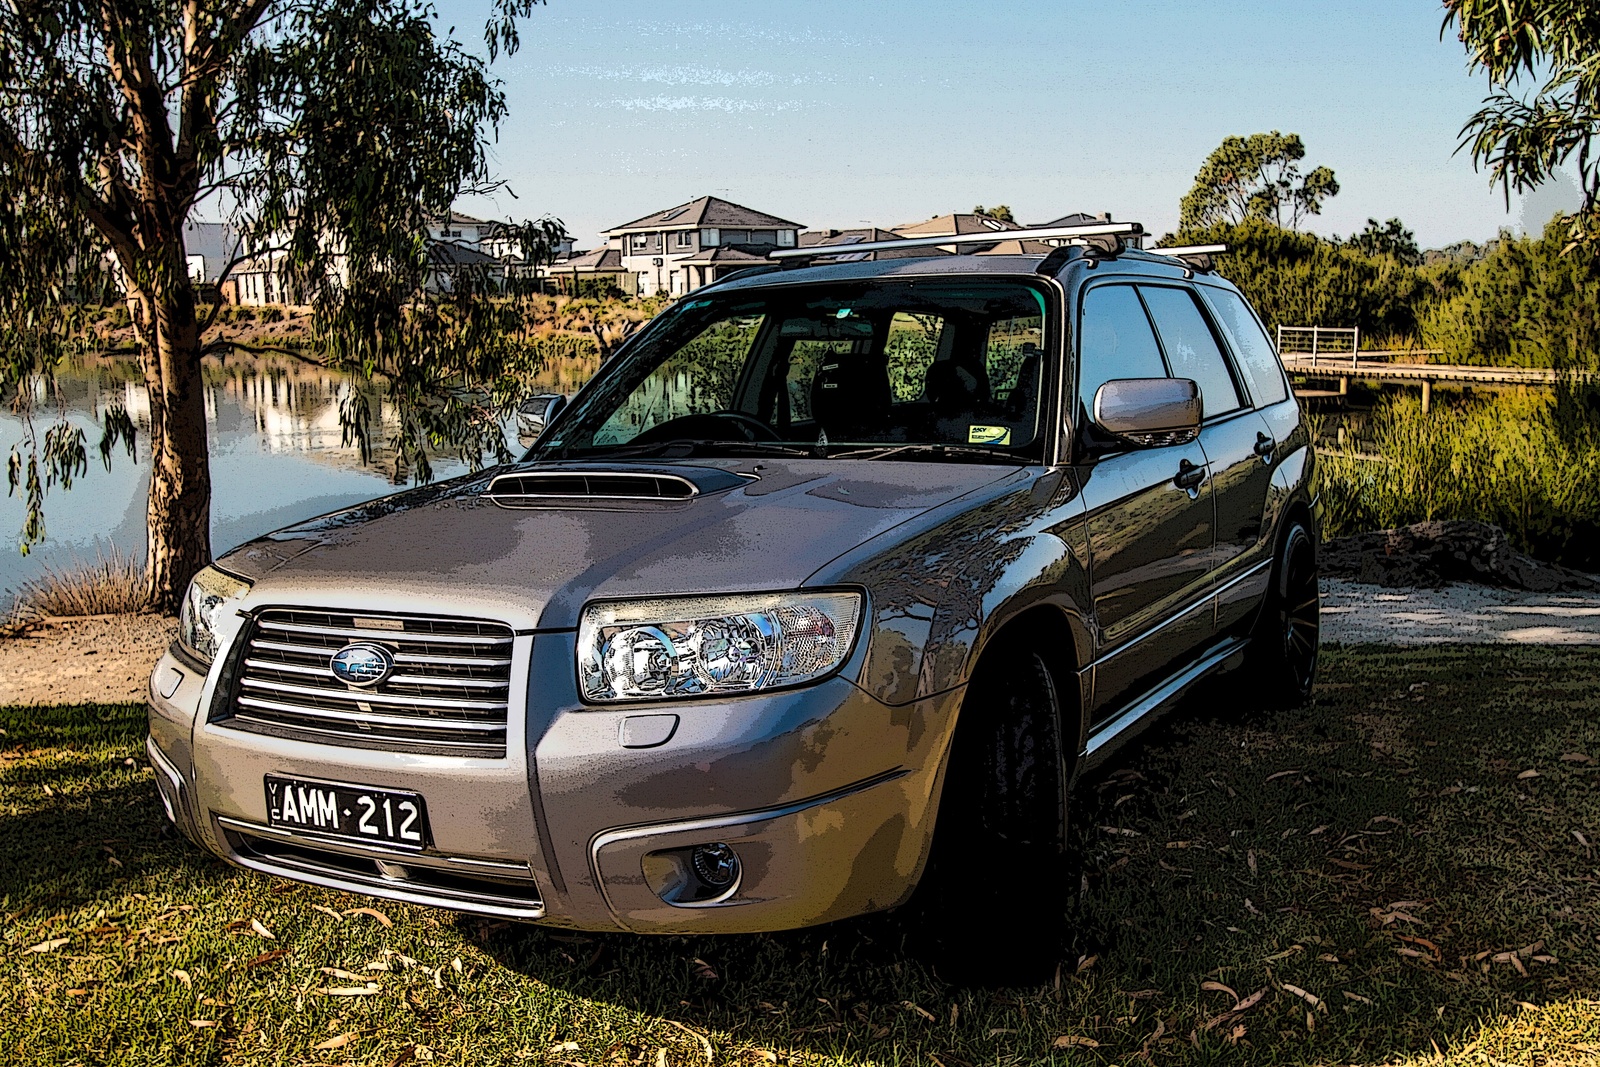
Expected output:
(830, 583)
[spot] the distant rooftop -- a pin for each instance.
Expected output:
(707, 211)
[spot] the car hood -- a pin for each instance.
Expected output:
(448, 549)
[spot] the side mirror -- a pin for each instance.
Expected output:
(1149, 412)
(535, 413)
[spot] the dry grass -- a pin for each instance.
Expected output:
(114, 584)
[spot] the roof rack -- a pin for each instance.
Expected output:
(1045, 233)
(1180, 251)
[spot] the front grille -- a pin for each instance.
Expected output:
(481, 886)
(448, 692)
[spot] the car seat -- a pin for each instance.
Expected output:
(849, 395)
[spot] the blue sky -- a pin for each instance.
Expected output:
(843, 112)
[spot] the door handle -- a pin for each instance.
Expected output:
(1189, 478)
(1264, 446)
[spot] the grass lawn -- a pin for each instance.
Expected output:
(1404, 870)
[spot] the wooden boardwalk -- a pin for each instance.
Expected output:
(1382, 367)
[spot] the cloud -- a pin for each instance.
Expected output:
(681, 75)
(701, 103)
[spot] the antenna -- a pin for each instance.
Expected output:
(1047, 233)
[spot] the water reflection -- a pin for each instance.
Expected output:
(278, 455)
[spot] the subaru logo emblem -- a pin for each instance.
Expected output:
(362, 664)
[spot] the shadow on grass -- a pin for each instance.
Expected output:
(1387, 867)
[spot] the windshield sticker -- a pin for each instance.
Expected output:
(842, 313)
(988, 435)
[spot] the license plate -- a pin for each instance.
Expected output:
(355, 813)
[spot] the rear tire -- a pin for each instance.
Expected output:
(1282, 664)
(992, 906)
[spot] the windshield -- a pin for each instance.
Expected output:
(926, 369)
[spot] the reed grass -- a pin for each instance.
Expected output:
(114, 584)
(1526, 462)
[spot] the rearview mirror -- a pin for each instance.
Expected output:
(535, 413)
(1149, 412)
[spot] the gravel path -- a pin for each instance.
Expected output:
(1468, 614)
(108, 659)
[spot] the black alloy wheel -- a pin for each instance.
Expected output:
(992, 905)
(1289, 633)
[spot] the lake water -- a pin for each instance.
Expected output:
(277, 457)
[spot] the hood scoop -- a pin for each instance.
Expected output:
(546, 488)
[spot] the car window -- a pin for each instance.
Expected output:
(1012, 355)
(699, 378)
(910, 348)
(1115, 341)
(1258, 358)
(1191, 347)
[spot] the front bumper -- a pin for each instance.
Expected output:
(827, 796)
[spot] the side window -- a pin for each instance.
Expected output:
(1114, 341)
(912, 343)
(698, 379)
(1257, 358)
(1191, 348)
(804, 360)
(1012, 355)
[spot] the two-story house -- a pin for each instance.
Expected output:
(682, 248)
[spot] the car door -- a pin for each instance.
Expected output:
(1235, 438)
(1279, 437)
(1149, 516)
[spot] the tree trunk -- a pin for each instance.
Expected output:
(178, 515)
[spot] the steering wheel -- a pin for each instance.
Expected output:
(709, 426)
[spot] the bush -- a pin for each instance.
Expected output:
(1528, 463)
(1525, 303)
(1300, 279)
(113, 584)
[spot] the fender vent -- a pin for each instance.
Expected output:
(532, 488)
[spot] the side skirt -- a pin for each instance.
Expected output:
(1109, 735)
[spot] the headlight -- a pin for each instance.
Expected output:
(706, 646)
(210, 596)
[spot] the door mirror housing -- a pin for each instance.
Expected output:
(535, 413)
(1149, 412)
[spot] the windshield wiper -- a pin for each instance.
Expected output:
(929, 451)
(701, 446)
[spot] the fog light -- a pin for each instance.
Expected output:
(717, 865)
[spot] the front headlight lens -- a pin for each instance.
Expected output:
(211, 595)
(664, 649)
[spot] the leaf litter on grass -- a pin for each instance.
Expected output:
(1451, 856)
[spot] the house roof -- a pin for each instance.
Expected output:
(1077, 218)
(723, 256)
(951, 225)
(456, 218)
(595, 261)
(706, 211)
(449, 254)
(863, 235)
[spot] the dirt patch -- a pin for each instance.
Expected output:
(1433, 554)
(79, 661)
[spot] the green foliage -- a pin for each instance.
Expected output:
(1525, 303)
(999, 212)
(1527, 463)
(333, 128)
(1300, 279)
(1543, 62)
(1256, 177)
(1388, 239)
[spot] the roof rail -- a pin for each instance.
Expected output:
(1180, 251)
(1045, 233)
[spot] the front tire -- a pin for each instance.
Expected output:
(993, 902)
(1284, 646)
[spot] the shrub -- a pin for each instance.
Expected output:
(113, 584)
(1527, 462)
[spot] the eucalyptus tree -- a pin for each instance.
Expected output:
(330, 131)
(1256, 177)
(1543, 62)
